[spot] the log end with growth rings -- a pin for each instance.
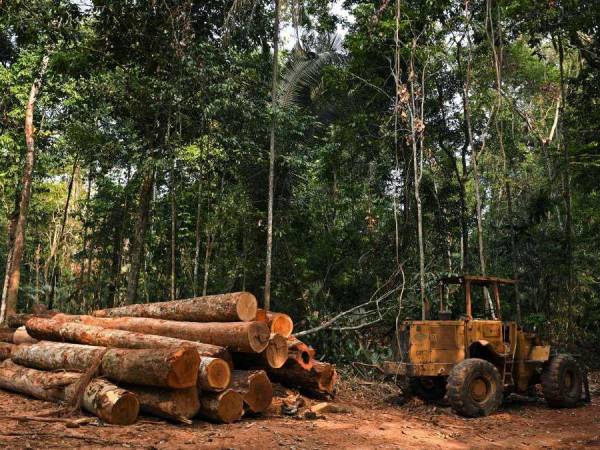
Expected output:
(184, 368)
(276, 352)
(215, 374)
(260, 392)
(246, 306)
(281, 324)
(258, 336)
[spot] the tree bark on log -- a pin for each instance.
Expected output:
(214, 375)
(110, 403)
(175, 368)
(6, 350)
(225, 407)
(101, 398)
(275, 355)
(162, 367)
(6, 335)
(255, 388)
(19, 320)
(250, 337)
(175, 404)
(21, 336)
(319, 380)
(233, 307)
(56, 330)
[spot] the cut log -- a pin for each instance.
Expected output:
(326, 375)
(6, 335)
(255, 388)
(215, 375)
(56, 330)
(49, 386)
(56, 356)
(319, 380)
(105, 400)
(251, 337)
(212, 308)
(175, 368)
(226, 406)
(19, 320)
(280, 323)
(22, 337)
(6, 350)
(261, 315)
(299, 351)
(110, 403)
(175, 404)
(275, 355)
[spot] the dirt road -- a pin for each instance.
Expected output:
(374, 422)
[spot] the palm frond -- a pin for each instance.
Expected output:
(304, 70)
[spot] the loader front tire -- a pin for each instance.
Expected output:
(562, 381)
(474, 388)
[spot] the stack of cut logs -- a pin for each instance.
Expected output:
(211, 357)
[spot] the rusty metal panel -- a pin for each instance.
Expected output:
(539, 353)
(444, 337)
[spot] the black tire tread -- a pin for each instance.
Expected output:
(456, 381)
(551, 386)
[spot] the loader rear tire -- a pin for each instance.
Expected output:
(475, 388)
(429, 389)
(562, 381)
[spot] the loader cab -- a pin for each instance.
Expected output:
(487, 305)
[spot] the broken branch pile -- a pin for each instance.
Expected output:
(171, 359)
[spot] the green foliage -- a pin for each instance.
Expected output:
(182, 89)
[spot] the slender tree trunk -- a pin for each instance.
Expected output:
(197, 239)
(139, 237)
(474, 163)
(173, 232)
(209, 241)
(267, 300)
(497, 53)
(566, 192)
(9, 304)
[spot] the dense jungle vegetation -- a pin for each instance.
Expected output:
(406, 141)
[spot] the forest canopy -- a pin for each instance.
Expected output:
(336, 158)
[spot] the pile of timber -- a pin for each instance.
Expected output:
(211, 357)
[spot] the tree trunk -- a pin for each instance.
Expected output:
(139, 237)
(275, 69)
(110, 403)
(197, 240)
(101, 398)
(175, 404)
(255, 388)
(6, 350)
(173, 233)
(225, 407)
(566, 193)
(163, 367)
(214, 375)
(54, 330)
(9, 303)
(236, 306)
(275, 355)
(251, 337)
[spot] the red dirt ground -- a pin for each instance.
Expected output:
(374, 422)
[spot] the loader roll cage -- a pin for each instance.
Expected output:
(473, 280)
